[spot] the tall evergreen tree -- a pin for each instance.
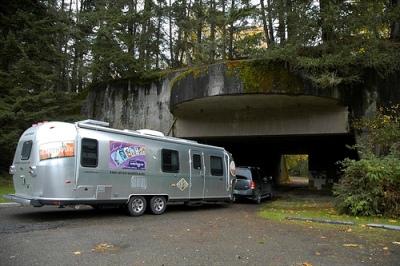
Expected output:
(29, 72)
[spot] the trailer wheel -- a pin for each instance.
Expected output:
(136, 205)
(157, 204)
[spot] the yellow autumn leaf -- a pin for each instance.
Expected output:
(77, 252)
(385, 248)
(350, 245)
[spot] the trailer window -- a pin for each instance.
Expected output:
(197, 161)
(89, 155)
(26, 150)
(170, 161)
(216, 165)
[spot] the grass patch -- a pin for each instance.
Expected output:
(6, 187)
(280, 208)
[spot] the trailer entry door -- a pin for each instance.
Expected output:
(197, 171)
(216, 179)
(22, 178)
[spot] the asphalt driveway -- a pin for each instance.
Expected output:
(212, 234)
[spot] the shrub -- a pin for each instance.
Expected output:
(370, 186)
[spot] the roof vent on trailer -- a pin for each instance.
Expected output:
(39, 123)
(94, 122)
(151, 132)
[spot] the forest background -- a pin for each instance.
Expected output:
(51, 51)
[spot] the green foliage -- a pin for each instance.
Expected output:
(383, 134)
(297, 165)
(370, 185)
(265, 76)
(335, 43)
(29, 82)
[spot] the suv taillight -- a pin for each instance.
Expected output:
(252, 185)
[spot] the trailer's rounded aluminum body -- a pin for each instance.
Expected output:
(59, 163)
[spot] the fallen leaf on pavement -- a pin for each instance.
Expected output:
(350, 245)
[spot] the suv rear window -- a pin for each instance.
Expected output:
(243, 173)
(242, 177)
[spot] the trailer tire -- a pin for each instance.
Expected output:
(157, 205)
(136, 205)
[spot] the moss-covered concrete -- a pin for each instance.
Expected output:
(265, 76)
(243, 77)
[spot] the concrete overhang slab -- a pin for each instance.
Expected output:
(254, 102)
(260, 115)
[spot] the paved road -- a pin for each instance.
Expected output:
(224, 234)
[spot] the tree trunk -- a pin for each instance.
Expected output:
(270, 23)
(395, 25)
(326, 31)
(212, 31)
(223, 32)
(231, 30)
(171, 43)
(282, 23)
(264, 21)
(199, 26)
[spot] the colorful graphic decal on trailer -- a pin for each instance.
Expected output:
(57, 149)
(127, 156)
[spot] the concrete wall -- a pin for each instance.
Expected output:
(132, 106)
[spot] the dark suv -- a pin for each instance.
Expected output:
(252, 183)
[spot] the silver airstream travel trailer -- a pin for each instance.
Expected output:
(68, 164)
